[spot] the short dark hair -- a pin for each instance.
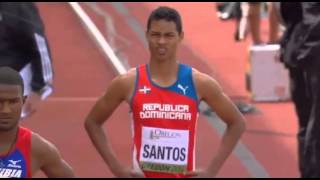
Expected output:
(168, 14)
(10, 76)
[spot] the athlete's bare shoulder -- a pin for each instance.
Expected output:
(124, 83)
(205, 83)
(38, 141)
(125, 78)
(46, 156)
(129, 76)
(201, 77)
(40, 147)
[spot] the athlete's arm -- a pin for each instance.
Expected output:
(117, 92)
(46, 157)
(210, 92)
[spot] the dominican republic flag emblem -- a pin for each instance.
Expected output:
(145, 90)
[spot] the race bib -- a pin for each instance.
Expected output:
(164, 150)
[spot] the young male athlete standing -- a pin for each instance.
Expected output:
(164, 97)
(23, 152)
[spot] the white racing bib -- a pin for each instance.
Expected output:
(164, 150)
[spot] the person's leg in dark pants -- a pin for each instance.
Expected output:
(302, 101)
(312, 139)
(254, 21)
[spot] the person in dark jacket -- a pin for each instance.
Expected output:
(24, 47)
(300, 52)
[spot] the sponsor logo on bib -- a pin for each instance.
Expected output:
(164, 150)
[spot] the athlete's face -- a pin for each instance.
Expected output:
(11, 101)
(163, 39)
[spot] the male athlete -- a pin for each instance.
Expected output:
(23, 152)
(164, 96)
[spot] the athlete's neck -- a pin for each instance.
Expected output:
(8, 136)
(165, 72)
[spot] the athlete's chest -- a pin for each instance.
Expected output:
(175, 102)
(155, 103)
(13, 166)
